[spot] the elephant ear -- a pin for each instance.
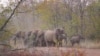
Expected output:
(35, 32)
(29, 33)
(18, 34)
(60, 30)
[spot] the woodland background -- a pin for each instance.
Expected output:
(76, 16)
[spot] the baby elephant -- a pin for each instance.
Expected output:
(76, 39)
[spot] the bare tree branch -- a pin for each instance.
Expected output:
(4, 25)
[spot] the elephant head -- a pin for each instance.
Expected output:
(29, 33)
(18, 34)
(61, 35)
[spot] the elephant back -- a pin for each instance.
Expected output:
(75, 38)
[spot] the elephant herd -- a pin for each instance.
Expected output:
(45, 38)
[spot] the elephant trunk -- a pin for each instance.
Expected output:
(65, 38)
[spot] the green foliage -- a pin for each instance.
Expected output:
(94, 12)
(51, 14)
(4, 34)
(2, 21)
(56, 14)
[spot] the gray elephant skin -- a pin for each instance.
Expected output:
(35, 38)
(76, 39)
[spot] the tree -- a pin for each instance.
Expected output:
(3, 26)
(4, 33)
(94, 12)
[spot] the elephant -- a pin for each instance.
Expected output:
(54, 37)
(17, 38)
(39, 38)
(76, 39)
(34, 38)
(18, 35)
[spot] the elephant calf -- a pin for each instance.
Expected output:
(76, 39)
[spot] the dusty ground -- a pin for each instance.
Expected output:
(92, 52)
(54, 51)
(85, 51)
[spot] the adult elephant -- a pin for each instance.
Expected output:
(54, 37)
(76, 39)
(39, 38)
(17, 39)
(34, 38)
(18, 36)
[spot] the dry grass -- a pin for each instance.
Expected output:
(91, 44)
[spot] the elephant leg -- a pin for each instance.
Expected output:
(15, 41)
(78, 43)
(49, 43)
(46, 43)
(53, 43)
(60, 43)
(40, 43)
(43, 43)
(72, 43)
